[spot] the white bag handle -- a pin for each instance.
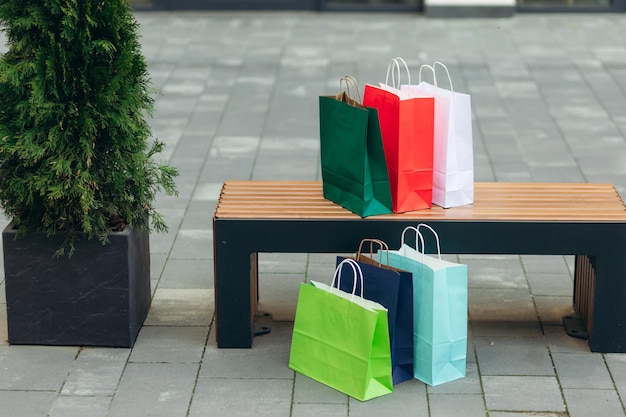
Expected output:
(418, 237)
(432, 70)
(355, 267)
(421, 238)
(434, 233)
(447, 72)
(394, 68)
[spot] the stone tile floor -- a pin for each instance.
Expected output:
(238, 100)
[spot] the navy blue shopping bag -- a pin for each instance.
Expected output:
(393, 288)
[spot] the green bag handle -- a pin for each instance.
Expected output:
(357, 274)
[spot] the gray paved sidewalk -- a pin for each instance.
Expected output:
(238, 99)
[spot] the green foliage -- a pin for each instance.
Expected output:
(76, 153)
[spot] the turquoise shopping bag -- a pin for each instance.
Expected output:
(440, 311)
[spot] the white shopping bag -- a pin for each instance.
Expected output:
(453, 158)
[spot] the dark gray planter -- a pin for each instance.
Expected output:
(99, 297)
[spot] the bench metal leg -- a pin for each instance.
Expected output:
(237, 319)
(607, 317)
(600, 303)
(235, 295)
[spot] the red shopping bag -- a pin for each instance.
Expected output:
(407, 128)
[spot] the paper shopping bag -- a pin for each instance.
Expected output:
(354, 174)
(393, 289)
(407, 126)
(453, 165)
(342, 340)
(440, 312)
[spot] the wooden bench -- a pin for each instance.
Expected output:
(585, 220)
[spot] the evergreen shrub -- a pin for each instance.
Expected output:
(77, 155)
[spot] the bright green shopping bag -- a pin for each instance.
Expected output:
(342, 340)
(440, 311)
(354, 172)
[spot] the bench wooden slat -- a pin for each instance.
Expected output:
(492, 201)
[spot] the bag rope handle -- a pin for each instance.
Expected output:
(433, 72)
(394, 68)
(436, 237)
(351, 88)
(434, 67)
(355, 267)
(382, 245)
(421, 238)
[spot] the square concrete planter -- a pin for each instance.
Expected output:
(98, 297)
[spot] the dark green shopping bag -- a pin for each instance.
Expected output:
(354, 172)
(342, 340)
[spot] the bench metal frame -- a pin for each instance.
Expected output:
(600, 249)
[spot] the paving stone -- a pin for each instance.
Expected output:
(467, 405)
(207, 191)
(314, 410)
(560, 341)
(557, 284)
(154, 389)
(494, 328)
(552, 309)
(295, 167)
(181, 307)
(310, 391)
(407, 398)
(169, 344)
(96, 372)
(4, 336)
(193, 272)
(157, 263)
(582, 370)
(39, 368)
(194, 244)
(161, 243)
(495, 356)
(523, 393)
(268, 358)
(278, 295)
(30, 403)
(242, 397)
(471, 384)
(616, 363)
(283, 263)
(511, 305)
(66, 406)
(196, 215)
(545, 263)
(530, 414)
(583, 403)
(495, 273)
